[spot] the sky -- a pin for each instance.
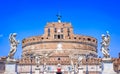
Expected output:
(88, 17)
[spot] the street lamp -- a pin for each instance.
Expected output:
(87, 72)
(31, 57)
(101, 67)
(74, 68)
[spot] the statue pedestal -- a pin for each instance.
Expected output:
(108, 66)
(37, 70)
(80, 70)
(10, 68)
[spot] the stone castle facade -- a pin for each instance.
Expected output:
(56, 33)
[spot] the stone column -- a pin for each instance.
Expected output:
(108, 66)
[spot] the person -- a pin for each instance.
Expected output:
(104, 45)
(13, 45)
(59, 69)
(45, 68)
(71, 62)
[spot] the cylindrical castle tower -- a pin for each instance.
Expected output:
(56, 33)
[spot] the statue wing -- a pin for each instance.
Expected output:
(10, 36)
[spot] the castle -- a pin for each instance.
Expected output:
(61, 45)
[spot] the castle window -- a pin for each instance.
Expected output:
(58, 36)
(74, 37)
(55, 30)
(89, 39)
(68, 30)
(53, 24)
(69, 37)
(61, 36)
(61, 30)
(83, 38)
(48, 31)
(33, 38)
(59, 58)
(42, 38)
(93, 40)
(79, 38)
(68, 34)
(55, 36)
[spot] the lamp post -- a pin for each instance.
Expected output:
(31, 57)
(74, 69)
(101, 67)
(87, 72)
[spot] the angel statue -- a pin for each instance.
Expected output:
(37, 60)
(71, 62)
(13, 45)
(104, 45)
(80, 60)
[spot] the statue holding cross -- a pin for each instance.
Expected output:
(59, 18)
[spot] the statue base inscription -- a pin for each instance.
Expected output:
(108, 66)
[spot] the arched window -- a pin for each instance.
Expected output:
(55, 30)
(68, 30)
(89, 39)
(55, 36)
(61, 36)
(48, 31)
(61, 30)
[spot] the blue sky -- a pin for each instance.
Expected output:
(88, 17)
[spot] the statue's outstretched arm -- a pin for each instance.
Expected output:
(10, 36)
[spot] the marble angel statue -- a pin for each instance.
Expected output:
(37, 60)
(71, 62)
(13, 45)
(105, 44)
